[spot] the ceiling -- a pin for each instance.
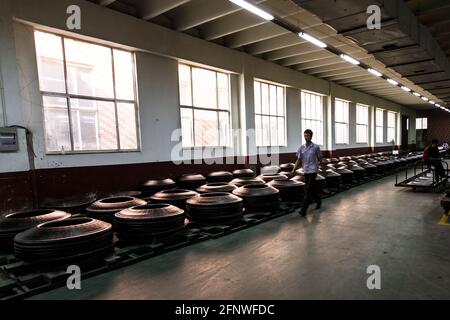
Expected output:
(227, 24)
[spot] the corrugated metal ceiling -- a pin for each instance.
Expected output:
(225, 23)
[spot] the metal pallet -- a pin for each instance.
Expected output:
(423, 178)
(19, 280)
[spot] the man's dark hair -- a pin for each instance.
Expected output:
(309, 132)
(434, 141)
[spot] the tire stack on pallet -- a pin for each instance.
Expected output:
(104, 209)
(62, 241)
(150, 221)
(214, 208)
(259, 197)
(13, 223)
(176, 197)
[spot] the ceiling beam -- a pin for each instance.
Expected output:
(106, 3)
(199, 12)
(255, 34)
(148, 9)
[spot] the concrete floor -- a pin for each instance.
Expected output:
(324, 256)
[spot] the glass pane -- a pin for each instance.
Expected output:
(265, 131)
(264, 98)
(89, 69)
(425, 123)
(93, 125)
(302, 106)
(258, 131)
(341, 133)
(204, 85)
(418, 123)
(127, 126)
(281, 132)
(184, 76)
(224, 129)
(391, 134)
(257, 88)
(223, 87)
(379, 134)
(318, 132)
(280, 98)
(50, 62)
(273, 131)
(379, 115)
(123, 69)
(187, 125)
(273, 100)
(206, 128)
(361, 134)
(56, 117)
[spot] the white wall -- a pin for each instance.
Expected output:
(158, 50)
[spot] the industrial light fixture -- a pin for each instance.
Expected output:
(253, 9)
(416, 94)
(431, 102)
(424, 98)
(393, 82)
(349, 59)
(374, 72)
(313, 40)
(406, 89)
(437, 105)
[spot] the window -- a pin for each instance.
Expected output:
(391, 126)
(362, 123)
(270, 119)
(88, 94)
(312, 115)
(205, 107)
(379, 121)
(421, 123)
(341, 121)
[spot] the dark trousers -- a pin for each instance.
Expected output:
(311, 192)
(438, 168)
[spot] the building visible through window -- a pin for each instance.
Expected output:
(205, 107)
(379, 126)
(362, 123)
(88, 94)
(312, 115)
(341, 110)
(270, 119)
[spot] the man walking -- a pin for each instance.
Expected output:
(308, 156)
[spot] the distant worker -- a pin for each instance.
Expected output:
(432, 157)
(308, 156)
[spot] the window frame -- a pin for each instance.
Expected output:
(379, 126)
(321, 121)
(422, 121)
(68, 96)
(217, 109)
(347, 124)
(394, 127)
(366, 125)
(270, 116)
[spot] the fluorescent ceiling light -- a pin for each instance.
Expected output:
(395, 83)
(250, 7)
(313, 40)
(349, 59)
(437, 105)
(424, 99)
(374, 72)
(406, 88)
(431, 102)
(416, 94)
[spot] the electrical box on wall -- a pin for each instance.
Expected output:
(8, 140)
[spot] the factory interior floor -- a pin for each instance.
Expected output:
(322, 256)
